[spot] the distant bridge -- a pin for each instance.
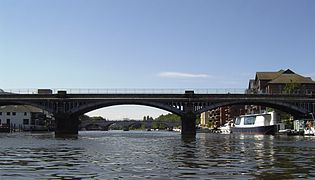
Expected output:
(104, 125)
(66, 108)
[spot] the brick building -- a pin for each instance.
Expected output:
(218, 117)
(279, 82)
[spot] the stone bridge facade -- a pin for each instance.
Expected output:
(66, 108)
(104, 125)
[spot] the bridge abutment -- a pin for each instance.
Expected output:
(66, 124)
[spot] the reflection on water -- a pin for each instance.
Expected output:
(155, 155)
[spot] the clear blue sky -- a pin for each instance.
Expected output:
(152, 43)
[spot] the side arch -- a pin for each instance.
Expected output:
(37, 105)
(285, 107)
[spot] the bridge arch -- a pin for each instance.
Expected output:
(93, 125)
(285, 107)
(25, 103)
(98, 105)
(104, 125)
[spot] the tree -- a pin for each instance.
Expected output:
(198, 119)
(84, 118)
(168, 117)
(97, 118)
(291, 88)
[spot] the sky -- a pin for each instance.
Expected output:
(186, 44)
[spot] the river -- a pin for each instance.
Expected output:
(155, 155)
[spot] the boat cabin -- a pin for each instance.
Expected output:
(255, 120)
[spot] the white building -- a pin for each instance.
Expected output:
(22, 117)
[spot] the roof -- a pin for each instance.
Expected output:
(283, 77)
(292, 78)
(268, 75)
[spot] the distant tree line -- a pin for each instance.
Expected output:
(91, 119)
(147, 118)
(170, 117)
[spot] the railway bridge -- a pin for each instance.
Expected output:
(67, 107)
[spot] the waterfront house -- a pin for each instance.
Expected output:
(24, 117)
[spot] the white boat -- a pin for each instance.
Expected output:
(309, 129)
(264, 123)
(177, 130)
(226, 128)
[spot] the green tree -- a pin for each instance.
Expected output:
(168, 117)
(97, 118)
(198, 119)
(291, 88)
(84, 118)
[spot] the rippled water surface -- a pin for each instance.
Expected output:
(155, 155)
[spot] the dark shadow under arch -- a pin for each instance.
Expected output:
(285, 107)
(18, 103)
(94, 106)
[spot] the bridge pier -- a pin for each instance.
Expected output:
(188, 124)
(66, 124)
(189, 117)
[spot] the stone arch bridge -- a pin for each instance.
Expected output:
(66, 108)
(126, 124)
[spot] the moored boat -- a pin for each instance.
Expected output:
(4, 128)
(226, 128)
(177, 130)
(255, 124)
(309, 129)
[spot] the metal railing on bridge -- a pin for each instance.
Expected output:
(127, 91)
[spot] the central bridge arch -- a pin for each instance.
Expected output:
(98, 105)
(104, 125)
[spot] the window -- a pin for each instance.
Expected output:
(8, 121)
(238, 121)
(33, 122)
(26, 121)
(25, 113)
(13, 113)
(8, 113)
(249, 120)
(0, 113)
(0, 121)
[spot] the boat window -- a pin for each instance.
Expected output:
(238, 121)
(249, 120)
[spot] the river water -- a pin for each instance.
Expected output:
(155, 155)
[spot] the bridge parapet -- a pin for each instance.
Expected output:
(130, 91)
